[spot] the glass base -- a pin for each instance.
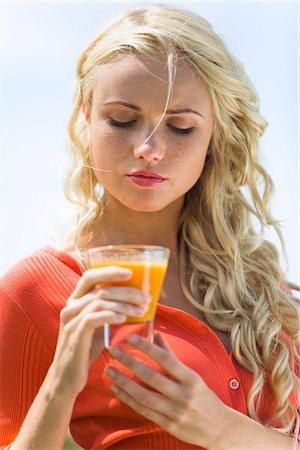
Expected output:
(116, 335)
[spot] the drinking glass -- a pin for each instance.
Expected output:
(148, 264)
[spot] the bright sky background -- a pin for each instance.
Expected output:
(41, 44)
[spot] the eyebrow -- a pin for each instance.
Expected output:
(169, 111)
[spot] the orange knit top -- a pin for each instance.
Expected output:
(32, 294)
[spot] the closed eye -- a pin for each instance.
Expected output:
(180, 130)
(115, 123)
(130, 123)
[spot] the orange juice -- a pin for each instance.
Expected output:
(146, 275)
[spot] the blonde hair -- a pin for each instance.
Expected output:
(223, 256)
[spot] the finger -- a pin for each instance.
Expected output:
(75, 306)
(146, 374)
(91, 321)
(92, 277)
(142, 397)
(147, 412)
(97, 298)
(161, 342)
(120, 308)
(96, 320)
(124, 294)
(166, 360)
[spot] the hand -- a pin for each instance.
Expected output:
(82, 319)
(182, 403)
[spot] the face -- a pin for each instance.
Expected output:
(146, 167)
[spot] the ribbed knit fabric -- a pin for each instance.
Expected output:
(32, 294)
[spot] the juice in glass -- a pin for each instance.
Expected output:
(148, 265)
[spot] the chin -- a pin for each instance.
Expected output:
(146, 208)
(153, 205)
(145, 205)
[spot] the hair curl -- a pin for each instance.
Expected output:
(223, 253)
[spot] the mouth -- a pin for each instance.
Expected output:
(147, 179)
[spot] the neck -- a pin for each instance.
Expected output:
(121, 225)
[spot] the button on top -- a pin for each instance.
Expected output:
(234, 384)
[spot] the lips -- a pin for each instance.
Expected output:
(147, 179)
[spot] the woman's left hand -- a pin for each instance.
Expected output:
(182, 403)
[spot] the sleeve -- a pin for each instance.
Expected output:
(24, 362)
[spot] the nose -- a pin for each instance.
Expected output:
(150, 149)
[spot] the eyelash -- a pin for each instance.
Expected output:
(176, 130)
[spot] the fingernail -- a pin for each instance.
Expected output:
(124, 271)
(120, 318)
(147, 298)
(134, 339)
(111, 372)
(115, 351)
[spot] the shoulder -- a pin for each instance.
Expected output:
(46, 275)
(46, 263)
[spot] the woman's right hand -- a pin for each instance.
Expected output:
(89, 307)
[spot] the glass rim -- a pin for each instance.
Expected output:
(126, 247)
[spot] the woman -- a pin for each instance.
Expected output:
(164, 142)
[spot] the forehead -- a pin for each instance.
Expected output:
(140, 78)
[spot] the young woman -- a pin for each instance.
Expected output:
(164, 149)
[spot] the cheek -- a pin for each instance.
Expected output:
(196, 166)
(191, 161)
(190, 154)
(105, 146)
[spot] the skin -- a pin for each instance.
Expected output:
(146, 212)
(177, 404)
(181, 403)
(178, 157)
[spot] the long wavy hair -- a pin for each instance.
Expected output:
(224, 256)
